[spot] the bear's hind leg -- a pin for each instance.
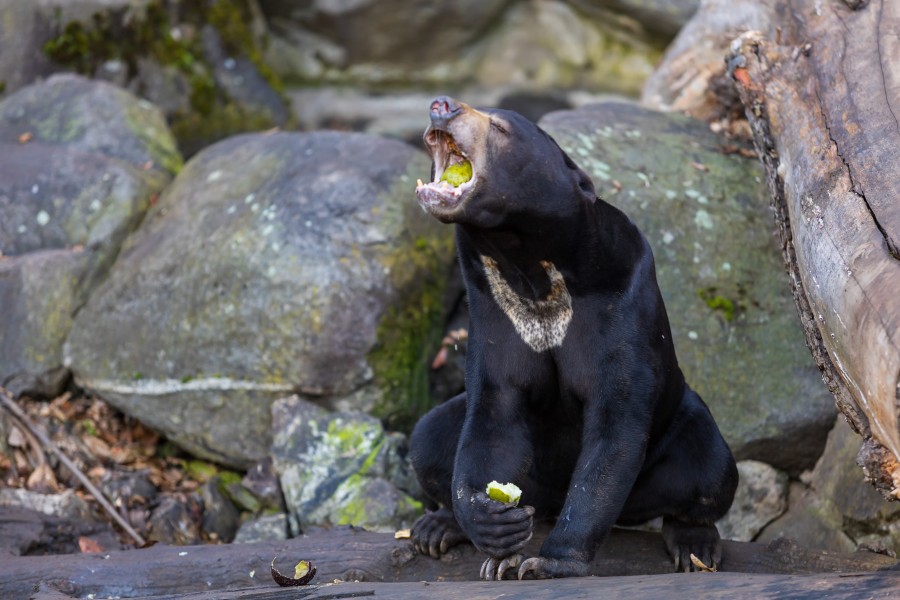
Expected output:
(691, 483)
(432, 452)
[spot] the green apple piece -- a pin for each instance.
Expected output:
(457, 174)
(301, 569)
(504, 492)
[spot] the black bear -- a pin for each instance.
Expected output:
(573, 391)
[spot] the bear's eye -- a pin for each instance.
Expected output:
(498, 126)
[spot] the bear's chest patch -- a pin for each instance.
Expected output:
(541, 324)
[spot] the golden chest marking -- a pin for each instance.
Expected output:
(541, 324)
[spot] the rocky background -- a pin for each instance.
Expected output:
(207, 222)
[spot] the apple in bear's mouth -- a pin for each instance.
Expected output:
(454, 174)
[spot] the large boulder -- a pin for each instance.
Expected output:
(385, 30)
(719, 267)
(82, 162)
(531, 45)
(281, 263)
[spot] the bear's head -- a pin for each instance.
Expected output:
(494, 168)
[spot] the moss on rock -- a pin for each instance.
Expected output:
(130, 36)
(410, 333)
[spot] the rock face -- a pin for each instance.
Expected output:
(536, 44)
(341, 468)
(706, 216)
(81, 162)
(383, 30)
(273, 264)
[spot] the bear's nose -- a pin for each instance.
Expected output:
(443, 109)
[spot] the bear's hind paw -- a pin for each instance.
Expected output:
(689, 544)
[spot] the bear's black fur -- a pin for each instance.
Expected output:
(573, 390)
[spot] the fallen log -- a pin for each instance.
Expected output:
(734, 586)
(821, 89)
(350, 554)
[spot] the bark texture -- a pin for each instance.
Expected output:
(821, 89)
(348, 554)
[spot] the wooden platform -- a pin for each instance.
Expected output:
(631, 564)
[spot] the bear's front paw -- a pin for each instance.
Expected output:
(549, 568)
(497, 529)
(683, 539)
(436, 532)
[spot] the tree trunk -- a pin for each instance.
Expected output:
(821, 89)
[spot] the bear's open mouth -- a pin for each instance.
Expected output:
(454, 174)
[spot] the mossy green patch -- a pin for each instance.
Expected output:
(410, 333)
(128, 37)
(88, 427)
(718, 302)
(200, 470)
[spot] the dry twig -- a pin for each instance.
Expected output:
(18, 413)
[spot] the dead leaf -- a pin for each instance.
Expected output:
(89, 546)
(440, 359)
(98, 447)
(42, 479)
(16, 439)
(26, 137)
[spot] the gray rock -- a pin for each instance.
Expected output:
(23, 31)
(664, 17)
(262, 482)
(241, 80)
(548, 45)
(95, 117)
(267, 528)
(176, 522)
(65, 505)
(839, 479)
(334, 468)
(761, 497)
(273, 263)
(810, 523)
(78, 182)
(536, 45)
(390, 31)
(839, 510)
(720, 271)
(220, 517)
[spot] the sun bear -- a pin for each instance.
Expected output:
(573, 390)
